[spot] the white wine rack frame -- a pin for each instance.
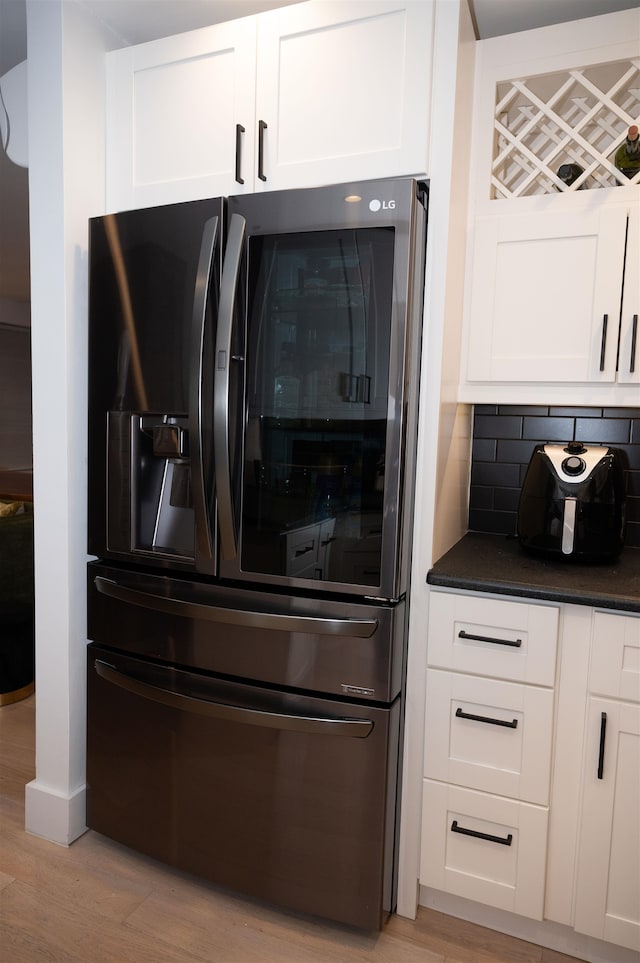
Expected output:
(578, 116)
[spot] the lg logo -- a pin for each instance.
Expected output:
(375, 206)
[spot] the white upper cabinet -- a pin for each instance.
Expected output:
(553, 285)
(547, 295)
(309, 94)
(344, 89)
(173, 110)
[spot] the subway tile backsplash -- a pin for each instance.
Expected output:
(504, 437)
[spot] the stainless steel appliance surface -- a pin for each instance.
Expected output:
(572, 502)
(253, 388)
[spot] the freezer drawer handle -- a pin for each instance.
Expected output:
(460, 714)
(358, 628)
(516, 643)
(356, 728)
(503, 840)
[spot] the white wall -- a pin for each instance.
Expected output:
(66, 185)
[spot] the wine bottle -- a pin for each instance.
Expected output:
(628, 153)
(570, 173)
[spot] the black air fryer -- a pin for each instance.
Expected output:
(572, 503)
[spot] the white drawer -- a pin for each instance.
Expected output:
(484, 848)
(615, 658)
(488, 734)
(496, 637)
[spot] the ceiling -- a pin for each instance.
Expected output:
(135, 21)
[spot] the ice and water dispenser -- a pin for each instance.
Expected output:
(150, 505)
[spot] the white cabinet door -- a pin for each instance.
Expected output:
(545, 296)
(608, 878)
(493, 637)
(629, 362)
(484, 848)
(344, 91)
(173, 110)
(488, 734)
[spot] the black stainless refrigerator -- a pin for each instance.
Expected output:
(253, 390)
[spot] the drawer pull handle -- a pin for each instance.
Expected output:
(603, 734)
(460, 714)
(304, 551)
(516, 643)
(504, 841)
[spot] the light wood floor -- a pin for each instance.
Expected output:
(97, 902)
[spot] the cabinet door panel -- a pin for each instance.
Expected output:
(172, 109)
(494, 637)
(489, 735)
(615, 661)
(458, 859)
(339, 82)
(629, 361)
(608, 880)
(542, 285)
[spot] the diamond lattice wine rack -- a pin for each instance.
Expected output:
(578, 116)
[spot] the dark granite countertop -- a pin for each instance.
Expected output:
(497, 563)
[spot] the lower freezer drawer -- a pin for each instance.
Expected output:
(283, 797)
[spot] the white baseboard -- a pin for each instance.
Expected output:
(55, 817)
(553, 936)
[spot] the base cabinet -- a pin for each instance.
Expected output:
(531, 778)
(488, 741)
(607, 902)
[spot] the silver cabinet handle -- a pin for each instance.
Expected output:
(222, 364)
(198, 330)
(319, 725)
(316, 625)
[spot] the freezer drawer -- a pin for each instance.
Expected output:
(281, 797)
(319, 645)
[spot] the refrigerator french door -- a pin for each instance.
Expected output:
(252, 416)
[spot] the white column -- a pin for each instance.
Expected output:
(66, 186)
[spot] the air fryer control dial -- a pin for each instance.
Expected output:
(574, 462)
(574, 465)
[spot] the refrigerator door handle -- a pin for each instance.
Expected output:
(316, 625)
(222, 364)
(357, 728)
(199, 491)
